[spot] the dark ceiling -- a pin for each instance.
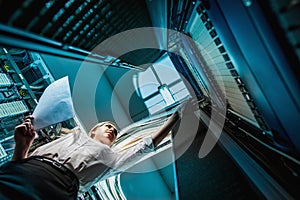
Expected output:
(82, 24)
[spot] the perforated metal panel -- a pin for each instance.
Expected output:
(287, 13)
(79, 23)
(222, 69)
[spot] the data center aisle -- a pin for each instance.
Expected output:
(212, 177)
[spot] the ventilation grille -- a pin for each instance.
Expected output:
(223, 70)
(12, 108)
(79, 23)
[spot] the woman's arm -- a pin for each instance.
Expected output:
(165, 129)
(187, 107)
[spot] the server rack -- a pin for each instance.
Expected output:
(23, 78)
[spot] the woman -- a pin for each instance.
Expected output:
(59, 169)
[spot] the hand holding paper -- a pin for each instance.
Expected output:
(55, 105)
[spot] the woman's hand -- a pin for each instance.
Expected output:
(24, 136)
(187, 107)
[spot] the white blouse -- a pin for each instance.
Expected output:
(89, 159)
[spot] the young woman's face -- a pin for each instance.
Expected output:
(105, 133)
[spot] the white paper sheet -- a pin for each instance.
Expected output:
(55, 105)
